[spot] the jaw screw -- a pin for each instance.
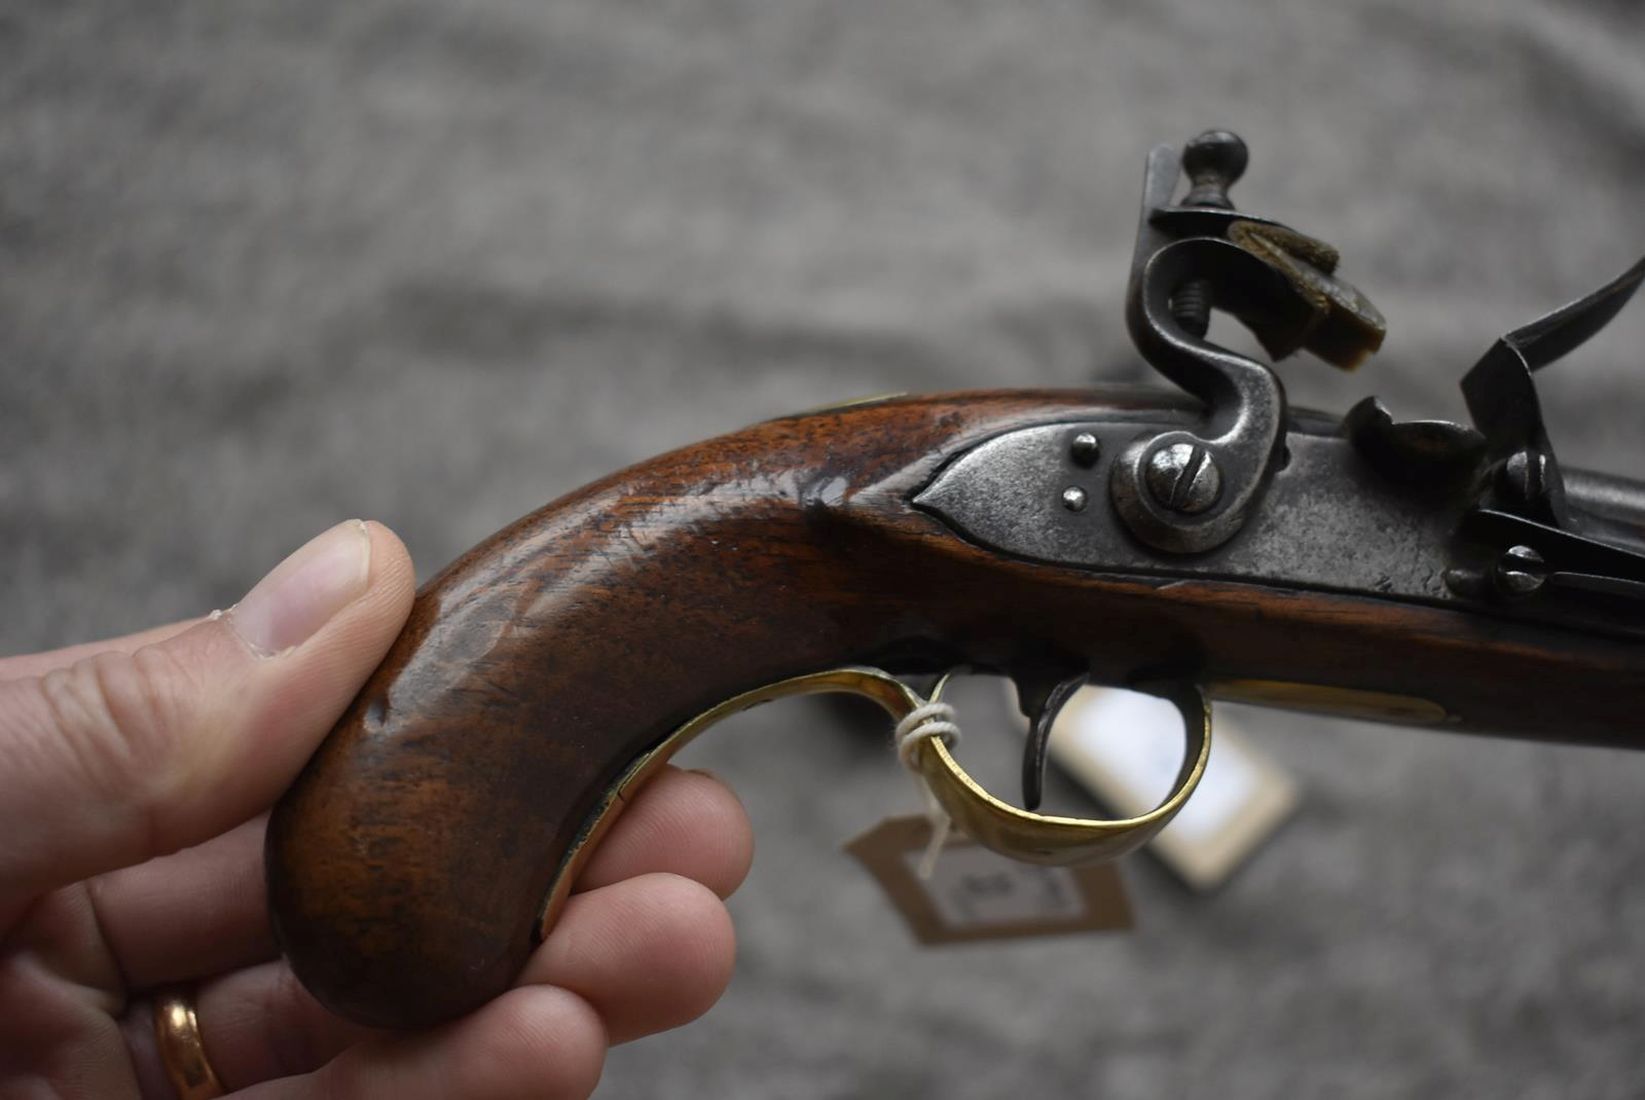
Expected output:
(1184, 478)
(1214, 161)
(1073, 498)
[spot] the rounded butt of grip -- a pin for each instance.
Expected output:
(368, 931)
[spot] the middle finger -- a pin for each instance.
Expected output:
(204, 910)
(648, 954)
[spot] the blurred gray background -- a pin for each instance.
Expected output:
(264, 266)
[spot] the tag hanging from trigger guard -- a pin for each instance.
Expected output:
(933, 719)
(1055, 840)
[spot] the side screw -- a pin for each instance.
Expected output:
(1184, 478)
(1470, 584)
(1085, 449)
(1519, 572)
(1073, 498)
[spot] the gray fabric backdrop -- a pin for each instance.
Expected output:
(264, 266)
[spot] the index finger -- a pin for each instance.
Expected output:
(681, 822)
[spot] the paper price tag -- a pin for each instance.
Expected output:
(975, 894)
(1125, 748)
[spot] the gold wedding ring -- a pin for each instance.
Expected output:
(182, 1052)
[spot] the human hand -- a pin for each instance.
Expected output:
(135, 776)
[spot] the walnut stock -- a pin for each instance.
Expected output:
(410, 864)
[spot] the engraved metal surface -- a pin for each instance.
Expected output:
(1328, 520)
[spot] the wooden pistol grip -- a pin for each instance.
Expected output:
(410, 864)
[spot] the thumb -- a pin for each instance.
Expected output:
(123, 757)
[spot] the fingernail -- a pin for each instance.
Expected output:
(292, 603)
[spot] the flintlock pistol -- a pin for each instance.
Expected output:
(1205, 541)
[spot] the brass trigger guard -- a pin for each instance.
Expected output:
(1049, 839)
(1012, 832)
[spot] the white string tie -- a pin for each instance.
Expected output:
(933, 719)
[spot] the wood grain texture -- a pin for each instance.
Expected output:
(408, 864)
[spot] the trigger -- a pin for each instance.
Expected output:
(1042, 715)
